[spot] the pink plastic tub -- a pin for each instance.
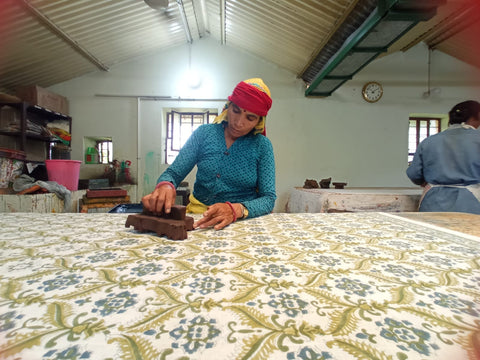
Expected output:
(64, 172)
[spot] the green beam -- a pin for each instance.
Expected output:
(416, 16)
(338, 77)
(356, 37)
(386, 10)
(378, 49)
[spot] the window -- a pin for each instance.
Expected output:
(419, 129)
(98, 149)
(105, 151)
(180, 125)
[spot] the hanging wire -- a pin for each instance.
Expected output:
(426, 94)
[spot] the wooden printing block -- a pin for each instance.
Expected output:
(177, 212)
(339, 185)
(173, 225)
(310, 184)
(325, 183)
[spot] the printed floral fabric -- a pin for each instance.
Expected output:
(281, 286)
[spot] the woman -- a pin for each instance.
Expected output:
(235, 163)
(447, 164)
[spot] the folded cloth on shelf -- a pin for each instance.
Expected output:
(25, 182)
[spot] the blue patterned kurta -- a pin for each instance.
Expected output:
(244, 173)
(451, 157)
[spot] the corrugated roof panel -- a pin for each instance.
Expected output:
(128, 28)
(287, 33)
(455, 30)
(111, 31)
(461, 31)
(45, 42)
(34, 55)
(460, 45)
(213, 13)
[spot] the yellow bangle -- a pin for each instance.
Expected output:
(244, 211)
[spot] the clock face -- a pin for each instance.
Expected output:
(372, 91)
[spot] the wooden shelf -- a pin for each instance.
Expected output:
(39, 116)
(31, 136)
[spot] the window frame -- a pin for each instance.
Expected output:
(170, 141)
(109, 151)
(418, 120)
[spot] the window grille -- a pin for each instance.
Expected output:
(180, 125)
(419, 129)
(105, 151)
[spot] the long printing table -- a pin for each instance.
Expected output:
(354, 200)
(283, 286)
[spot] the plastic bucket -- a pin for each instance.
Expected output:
(64, 172)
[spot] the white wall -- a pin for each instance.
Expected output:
(341, 136)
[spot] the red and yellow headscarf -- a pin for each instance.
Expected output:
(252, 95)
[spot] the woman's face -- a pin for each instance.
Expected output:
(240, 121)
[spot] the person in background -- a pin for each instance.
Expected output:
(447, 164)
(235, 163)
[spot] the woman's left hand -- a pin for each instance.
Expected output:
(217, 215)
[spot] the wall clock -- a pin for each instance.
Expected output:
(372, 91)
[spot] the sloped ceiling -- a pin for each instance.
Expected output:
(45, 42)
(455, 30)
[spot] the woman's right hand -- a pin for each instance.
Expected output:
(160, 200)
